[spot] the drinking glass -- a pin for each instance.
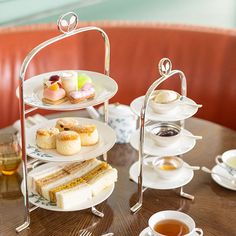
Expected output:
(10, 154)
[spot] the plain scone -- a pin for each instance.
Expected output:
(68, 143)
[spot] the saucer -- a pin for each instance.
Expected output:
(221, 181)
(152, 180)
(183, 145)
(145, 232)
(181, 112)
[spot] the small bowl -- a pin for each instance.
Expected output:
(168, 167)
(164, 107)
(164, 134)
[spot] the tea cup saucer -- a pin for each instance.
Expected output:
(222, 181)
(147, 232)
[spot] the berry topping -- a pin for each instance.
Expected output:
(54, 78)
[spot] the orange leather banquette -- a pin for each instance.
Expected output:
(207, 57)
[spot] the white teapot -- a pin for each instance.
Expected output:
(122, 120)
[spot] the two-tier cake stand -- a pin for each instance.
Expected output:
(30, 93)
(147, 148)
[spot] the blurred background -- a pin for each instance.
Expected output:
(216, 13)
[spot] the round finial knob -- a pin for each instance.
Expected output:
(67, 23)
(165, 66)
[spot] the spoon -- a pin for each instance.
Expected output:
(205, 169)
(192, 136)
(182, 98)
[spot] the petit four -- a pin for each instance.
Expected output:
(75, 183)
(69, 81)
(54, 94)
(46, 138)
(64, 124)
(82, 80)
(88, 134)
(68, 143)
(85, 93)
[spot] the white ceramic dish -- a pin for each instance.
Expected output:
(41, 202)
(183, 145)
(146, 232)
(105, 88)
(181, 112)
(107, 139)
(164, 141)
(152, 180)
(222, 181)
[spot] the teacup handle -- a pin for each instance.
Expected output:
(199, 231)
(219, 161)
(147, 162)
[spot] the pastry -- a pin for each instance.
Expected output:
(82, 80)
(68, 143)
(69, 81)
(54, 94)
(78, 96)
(74, 183)
(88, 134)
(46, 138)
(66, 123)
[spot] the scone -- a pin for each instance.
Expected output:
(68, 143)
(88, 134)
(46, 138)
(65, 124)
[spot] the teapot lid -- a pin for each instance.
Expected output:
(118, 110)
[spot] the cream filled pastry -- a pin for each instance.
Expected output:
(54, 94)
(68, 143)
(46, 138)
(88, 134)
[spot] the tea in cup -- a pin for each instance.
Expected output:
(173, 223)
(228, 161)
(10, 154)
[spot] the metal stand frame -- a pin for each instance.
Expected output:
(166, 72)
(67, 25)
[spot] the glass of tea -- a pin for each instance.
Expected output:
(173, 223)
(10, 154)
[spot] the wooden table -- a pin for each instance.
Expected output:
(214, 207)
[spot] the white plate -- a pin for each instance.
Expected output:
(107, 139)
(221, 181)
(180, 113)
(183, 145)
(152, 180)
(105, 88)
(146, 230)
(41, 202)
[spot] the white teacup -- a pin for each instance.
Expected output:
(228, 161)
(173, 215)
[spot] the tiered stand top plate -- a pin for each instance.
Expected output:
(181, 112)
(41, 202)
(105, 88)
(107, 139)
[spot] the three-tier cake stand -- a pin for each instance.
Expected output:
(67, 25)
(147, 148)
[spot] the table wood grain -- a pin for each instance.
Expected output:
(214, 207)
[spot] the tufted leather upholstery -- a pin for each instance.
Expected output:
(207, 57)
